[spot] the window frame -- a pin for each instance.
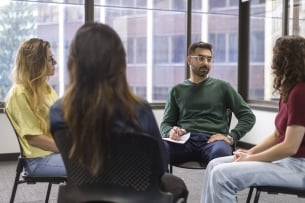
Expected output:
(243, 76)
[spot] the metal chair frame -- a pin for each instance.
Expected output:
(23, 177)
(300, 192)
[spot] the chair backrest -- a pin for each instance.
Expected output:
(134, 168)
(17, 136)
(109, 194)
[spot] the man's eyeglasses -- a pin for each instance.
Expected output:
(201, 58)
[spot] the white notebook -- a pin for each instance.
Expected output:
(183, 139)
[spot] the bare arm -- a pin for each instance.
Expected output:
(267, 143)
(42, 142)
(290, 145)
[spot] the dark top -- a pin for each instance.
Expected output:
(146, 122)
(201, 108)
(292, 112)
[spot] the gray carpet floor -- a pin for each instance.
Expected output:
(36, 193)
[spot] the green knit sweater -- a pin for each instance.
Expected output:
(202, 108)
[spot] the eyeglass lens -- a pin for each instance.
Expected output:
(201, 58)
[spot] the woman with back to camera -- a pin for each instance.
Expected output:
(98, 102)
(27, 105)
(280, 159)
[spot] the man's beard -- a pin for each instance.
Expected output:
(202, 72)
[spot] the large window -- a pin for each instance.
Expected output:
(54, 21)
(154, 33)
(216, 22)
(155, 37)
(267, 25)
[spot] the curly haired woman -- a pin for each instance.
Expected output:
(279, 160)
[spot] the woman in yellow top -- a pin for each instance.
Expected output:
(28, 104)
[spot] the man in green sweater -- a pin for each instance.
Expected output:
(198, 105)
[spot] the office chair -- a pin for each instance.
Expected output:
(198, 164)
(23, 177)
(130, 175)
(300, 192)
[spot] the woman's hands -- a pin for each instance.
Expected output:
(241, 155)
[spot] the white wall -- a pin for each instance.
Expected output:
(8, 143)
(263, 127)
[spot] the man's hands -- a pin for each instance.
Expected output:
(176, 132)
(219, 136)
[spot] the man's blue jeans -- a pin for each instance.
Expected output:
(197, 149)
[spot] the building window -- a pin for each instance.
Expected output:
(154, 36)
(218, 40)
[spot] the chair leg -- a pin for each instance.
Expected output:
(48, 192)
(16, 183)
(258, 192)
(17, 180)
(250, 195)
(170, 168)
(14, 192)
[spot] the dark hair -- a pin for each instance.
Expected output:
(288, 64)
(97, 93)
(202, 45)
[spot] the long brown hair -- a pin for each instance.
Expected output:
(97, 94)
(288, 64)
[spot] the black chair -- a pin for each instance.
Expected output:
(198, 164)
(23, 177)
(300, 192)
(129, 176)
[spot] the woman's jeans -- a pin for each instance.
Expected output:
(223, 178)
(51, 165)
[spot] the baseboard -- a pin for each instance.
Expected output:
(9, 157)
(244, 145)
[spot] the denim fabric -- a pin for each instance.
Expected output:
(223, 178)
(51, 165)
(197, 149)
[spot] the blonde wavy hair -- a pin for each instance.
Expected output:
(31, 71)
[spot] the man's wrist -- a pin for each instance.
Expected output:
(231, 139)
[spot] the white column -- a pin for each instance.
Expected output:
(61, 48)
(204, 21)
(149, 54)
(102, 12)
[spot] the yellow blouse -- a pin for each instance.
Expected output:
(24, 120)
